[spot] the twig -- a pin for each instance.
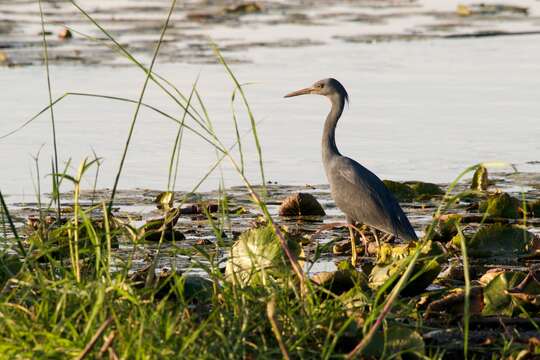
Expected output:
(94, 339)
(106, 344)
(112, 354)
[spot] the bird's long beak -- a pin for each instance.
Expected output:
(305, 91)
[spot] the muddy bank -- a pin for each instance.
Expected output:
(140, 207)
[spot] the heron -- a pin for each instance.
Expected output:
(356, 191)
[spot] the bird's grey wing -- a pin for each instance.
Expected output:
(369, 201)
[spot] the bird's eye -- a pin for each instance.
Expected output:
(321, 85)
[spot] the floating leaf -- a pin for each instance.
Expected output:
(497, 240)
(249, 7)
(165, 200)
(396, 339)
(534, 208)
(413, 190)
(446, 228)
(480, 179)
(391, 260)
(10, 264)
(497, 301)
(453, 303)
(501, 205)
(511, 291)
(257, 257)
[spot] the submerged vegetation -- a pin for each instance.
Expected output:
(84, 278)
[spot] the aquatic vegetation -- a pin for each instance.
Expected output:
(256, 258)
(501, 205)
(80, 281)
(413, 190)
(498, 240)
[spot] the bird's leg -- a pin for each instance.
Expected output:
(354, 256)
(365, 241)
(387, 237)
(374, 232)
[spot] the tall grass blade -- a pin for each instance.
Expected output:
(6, 213)
(466, 310)
(137, 109)
(55, 148)
(250, 113)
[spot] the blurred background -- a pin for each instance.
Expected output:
(435, 86)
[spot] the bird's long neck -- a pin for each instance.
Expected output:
(329, 147)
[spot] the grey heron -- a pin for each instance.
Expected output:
(358, 192)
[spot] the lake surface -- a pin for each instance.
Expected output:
(420, 110)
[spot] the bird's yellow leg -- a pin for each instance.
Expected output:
(365, 241)
(374, 232)
(354, 255)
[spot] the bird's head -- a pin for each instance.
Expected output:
(328, 87)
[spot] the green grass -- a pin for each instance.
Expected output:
(67, 293)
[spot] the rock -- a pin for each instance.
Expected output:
(245, 8)
(501, 205)
(340, 281)
(490, 9)
(198, 209)
(257, 258)
(445, 228)
(534, 208)
(65, 34)
(192, 289)
(203, 242)
(453, 303)
(168, 235)
(10, 264)
(4, 58)
(301, 204)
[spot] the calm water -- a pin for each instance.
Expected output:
(419, 110)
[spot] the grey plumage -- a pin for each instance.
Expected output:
(359, 193)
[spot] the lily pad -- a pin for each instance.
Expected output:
(10, 264)
(446, 228)
(453, 303)
(480, 181)
(496, 298)
(257, 258)
(534, 208)
(165, 200)
(392, 260)
(395, 339)
(497, 240)
(508, 292)
(413, 190)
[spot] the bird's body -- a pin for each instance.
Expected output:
(359, 193)
(362, 196)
